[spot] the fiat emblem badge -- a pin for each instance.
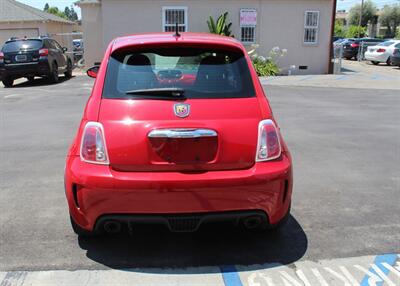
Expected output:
(182, 109)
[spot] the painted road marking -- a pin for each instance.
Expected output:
(378, 269)
(12, 95)
(383, 270)
(307, 77)
(230, 276)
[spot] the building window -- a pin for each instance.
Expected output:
(248, 22)
(247, 34)
(311, 25)
(173, 15)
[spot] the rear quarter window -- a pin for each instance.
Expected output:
(13, 46)
(201, 73)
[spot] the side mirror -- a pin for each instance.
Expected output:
(92, 72)
(64, 49)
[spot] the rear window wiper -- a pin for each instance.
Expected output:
(167, 91)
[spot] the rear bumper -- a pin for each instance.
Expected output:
(25, 69)
(350, 53)
(95, 191)
(376, 57)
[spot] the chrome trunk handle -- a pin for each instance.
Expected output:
(182, 133)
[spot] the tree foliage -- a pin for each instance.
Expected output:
(390, 18)
(368, 14)
(68, 13)
(355, 31)
(220, 27)
(340, 29)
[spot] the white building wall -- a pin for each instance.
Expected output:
(92, 27)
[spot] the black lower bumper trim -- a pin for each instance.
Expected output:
(181, 222)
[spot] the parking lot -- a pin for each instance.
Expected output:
(354, 74)
(345, 144)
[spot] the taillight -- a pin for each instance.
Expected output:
(396, 51)
(354, 45)
(269, 145)
(43, 52)
(1, 57)
(381, 51)
(93, 145)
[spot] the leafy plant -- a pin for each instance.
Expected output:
(368, 13)
(267, 66)
(220, 27)
(390, 18)
(398, 34)
(353, 31)
(340, 29)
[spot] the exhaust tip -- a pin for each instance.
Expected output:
(252, 222)
(112, 227)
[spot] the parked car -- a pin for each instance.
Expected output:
(351, 47)
(33, 57)
(177, 132)
(78, 49)
(335, 39)
(382, 53)
(395, 58)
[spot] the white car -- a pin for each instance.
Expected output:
(381, 53)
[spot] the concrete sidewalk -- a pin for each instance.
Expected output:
(357, 271)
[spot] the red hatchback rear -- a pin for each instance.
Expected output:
(177, 132)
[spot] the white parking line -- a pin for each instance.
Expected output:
(12, 95)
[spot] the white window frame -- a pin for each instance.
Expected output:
(184, 8)
(248, 26)
(311, 27)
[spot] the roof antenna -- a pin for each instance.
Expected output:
(177, 30)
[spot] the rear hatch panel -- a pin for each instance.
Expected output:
(129, 122)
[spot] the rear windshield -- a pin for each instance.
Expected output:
(386, 44)
(18, 45)
(200, 73)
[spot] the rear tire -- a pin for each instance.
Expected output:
(348, 58)
(375, 63)
(68, 72)
(78, 230)
(53, 77)
(8, 82)
(389, 62)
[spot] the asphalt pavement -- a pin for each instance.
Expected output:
(345, 145)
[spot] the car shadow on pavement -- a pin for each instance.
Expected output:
(210, 246)
(40, 82)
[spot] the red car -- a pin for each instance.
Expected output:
(178, 132)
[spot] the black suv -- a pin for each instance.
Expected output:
(33, 57)
(352, 46)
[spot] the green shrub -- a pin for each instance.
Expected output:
(398, 33)
(352, 31)
(267, 66)
(340, 29)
